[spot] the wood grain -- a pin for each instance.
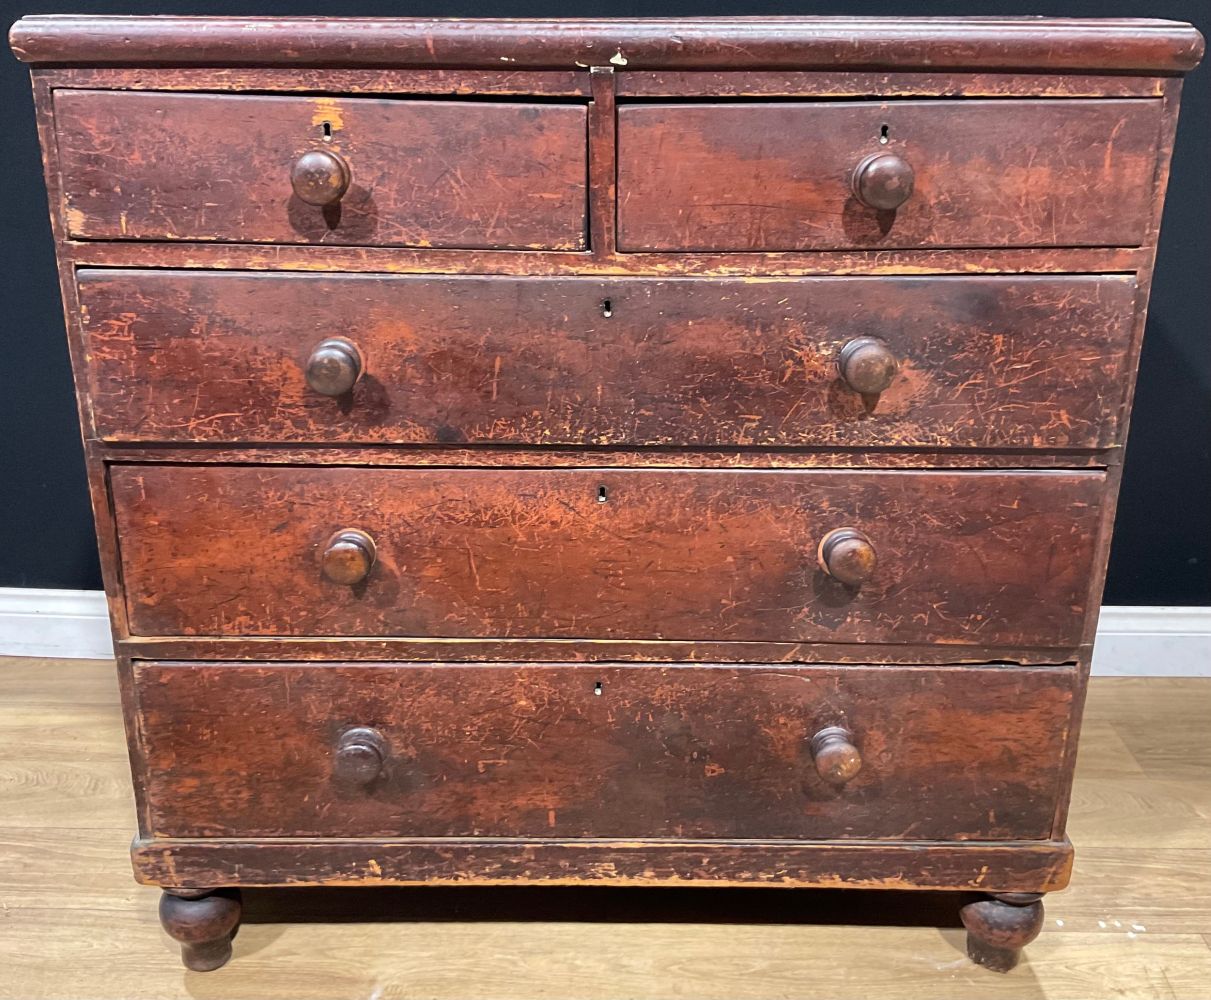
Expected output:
(1101, 44)
(652, 457)
(982, 362)
(632, 554)
(598, 262)
(923, 865)
(603, 750)
(497, 81)
(424, 173)
(988, 174)
(817, 83)
(421, 650)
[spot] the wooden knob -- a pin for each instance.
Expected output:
(348, 557)
(320, 177)
(867, 365)
(882, 181)
(334, 366)
(846, 554)
(360, 756)
(837, 759)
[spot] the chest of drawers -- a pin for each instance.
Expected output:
(627, 453)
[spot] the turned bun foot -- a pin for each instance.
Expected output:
(999, 928)
(203, 922)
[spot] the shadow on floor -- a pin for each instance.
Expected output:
(599, 904)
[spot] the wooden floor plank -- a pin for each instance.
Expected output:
(1113, 758)
(104, 953)
(1113, 888)
(1163, 722)
(66, 794)
(1141, 812)
(43, 681)
(1136, 922)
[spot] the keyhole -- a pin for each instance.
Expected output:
(602, 496)
(607, 308)
(327, 127)
(597, 688)
(883, 135)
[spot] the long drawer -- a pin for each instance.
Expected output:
(911, 557)
(876, 175)
(338, 170)
(437, 750)
(978, 362)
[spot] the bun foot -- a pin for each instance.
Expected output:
(999, 928)
(203, 923)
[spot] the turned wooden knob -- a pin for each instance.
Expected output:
(846, 554)
(882, 181)
(867, 365)
(320, 177)
(837, 759)
(360, 756)
(334, 366)
(348, 557)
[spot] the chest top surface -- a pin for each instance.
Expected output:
(1121, 45)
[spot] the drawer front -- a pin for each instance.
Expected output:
(601, 751)
(987, 362)
(413, 173)
(993, 558)
(982, 174)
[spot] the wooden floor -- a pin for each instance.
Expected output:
(1135, 924)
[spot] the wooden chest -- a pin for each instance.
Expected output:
(640, 453)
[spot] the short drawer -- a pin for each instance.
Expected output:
(336, 170)
(449, 750)
(975, 361)
(978, 557)
(799, 176)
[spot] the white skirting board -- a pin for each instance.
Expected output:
(1153, 642)
(69, 623)
(1135, 642)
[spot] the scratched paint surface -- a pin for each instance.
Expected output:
(424, 173)
(984, 362)
(988, 174)
(997, 558)
(520, 750)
